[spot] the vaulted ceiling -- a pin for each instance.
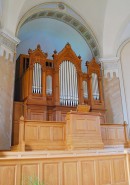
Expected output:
(108, 20)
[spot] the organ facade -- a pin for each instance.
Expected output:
(49, 88)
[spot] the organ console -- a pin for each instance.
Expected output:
(49, 88)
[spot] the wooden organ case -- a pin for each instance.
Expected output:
(48, 89)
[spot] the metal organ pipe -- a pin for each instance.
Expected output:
(72, 87)
(65, 80)
(76, 88)
(40, 77)
(37, 78)
(36, 87)
(68, 84)
(33, 86)
(62, 85)
(49, 85)
(68, 88)
(74, 93)
(85, 89)
(95, 86)
(97, 91)
(60, 78)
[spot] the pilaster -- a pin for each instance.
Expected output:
(110, 67)
(112, 91)
(7, 73)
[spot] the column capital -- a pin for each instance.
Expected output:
(8, 45)
(110, 66)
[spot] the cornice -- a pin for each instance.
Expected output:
(109, 60)
(8, 40)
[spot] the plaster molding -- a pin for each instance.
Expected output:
(110, 66)
(8, 45)
(112, 59)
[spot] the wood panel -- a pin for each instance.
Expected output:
(17, 113)
(105, 172)
(70, 175)
(44, 135)
(88, 172)
(7, 174)
(64, 168)
(47, 133)
(31, 132)
(25, 82)
(114, 134)
(29, 172)
(51, 173)
(119, 169)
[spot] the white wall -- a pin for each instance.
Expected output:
(125, 68)
(117, 12)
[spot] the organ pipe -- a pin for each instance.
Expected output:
(36, 87)
(85, 89)
(95, 86)
(49, 85)
(68, 84)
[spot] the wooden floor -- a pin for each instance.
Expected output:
(109, 166)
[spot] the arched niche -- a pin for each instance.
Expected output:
(69, 16)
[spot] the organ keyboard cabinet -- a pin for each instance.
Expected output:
(51, 88)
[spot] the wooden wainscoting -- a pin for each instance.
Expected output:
(114, 134)
(64, 168)
(45, 135)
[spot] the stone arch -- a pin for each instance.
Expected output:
(62, 13)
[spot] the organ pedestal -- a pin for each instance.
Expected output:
(49, 88)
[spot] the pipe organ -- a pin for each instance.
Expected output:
(49, 88)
